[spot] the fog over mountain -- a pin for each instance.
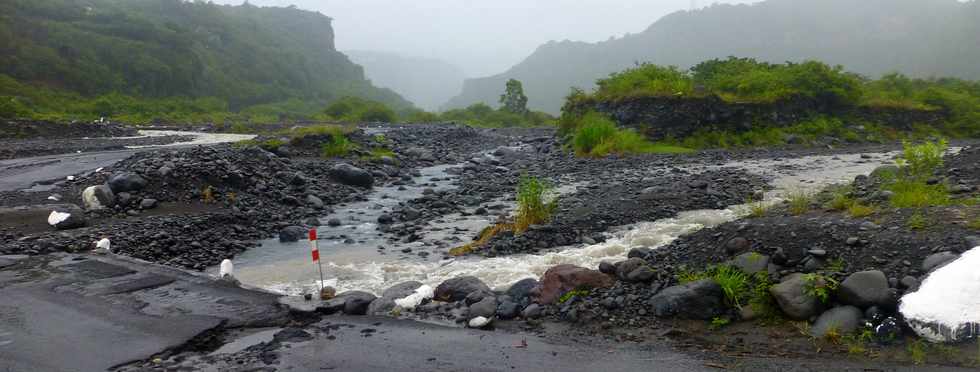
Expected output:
(481, 37)
(427, 82)
(917, 37)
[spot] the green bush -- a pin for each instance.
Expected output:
(598, 136)
(377, 113)
(919, 163)
(533, 206)
(338, 146)
(645, 80)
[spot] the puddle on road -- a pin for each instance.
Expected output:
(287, 268)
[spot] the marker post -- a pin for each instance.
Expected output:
(316, 255)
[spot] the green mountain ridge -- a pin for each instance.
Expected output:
(243, 55)
(921, 38)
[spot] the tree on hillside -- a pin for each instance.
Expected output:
(513, 100)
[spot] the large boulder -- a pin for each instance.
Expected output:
(126, 181)
(751, 262)
(456, 289)
(386, 302)
(560, 279)
(865, 289)
(702, 299)
(634, 270)
(520, 292)
(67, 216)
(291, 234)
(841, 320)
(350, 175)
(792, 298)
(487, 308)
(946, 307)
(98, 197)
(938, 260)
(356, 302)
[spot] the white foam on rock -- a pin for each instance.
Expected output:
(413, 300)
(57, 217)
(227, 268)
(946, 308)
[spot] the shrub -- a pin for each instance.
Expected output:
(719, 322)
(920, 162)
(840, 199)
(597, 136)
(914, 194)
(645, 80)
(592, 131)
(337, 146)
(377, 113)
(819, 286)
(532, 205)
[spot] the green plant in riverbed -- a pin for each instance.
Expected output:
(974, 224)
(573, 293)
(719, 323)
(916, 221)
(819, 286)
(858, 210)
(917, 165)
(734, 283)
(836, 265)
(917, 351)
(757, 209)
(533, 206)
(338, 145)
(799, 201)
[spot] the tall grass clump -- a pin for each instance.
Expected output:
(799, 201)
(733, 282)
(918, 164)
(533, 204)
(598, 136)
(338, 145)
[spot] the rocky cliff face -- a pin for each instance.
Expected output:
(660, 117)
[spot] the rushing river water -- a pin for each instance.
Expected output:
(359, 264)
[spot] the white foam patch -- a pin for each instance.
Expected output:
(227, 268)
(103, 244)
(415, 299)
(947, 305)
(57, 217)
(199, 138)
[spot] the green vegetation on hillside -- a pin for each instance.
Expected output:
(919, 38)
(744, 80)
(143, 60)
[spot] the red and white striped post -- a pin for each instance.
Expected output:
(316, 255)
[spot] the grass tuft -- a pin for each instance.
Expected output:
(799, 201)
(916, 221)
(532, 205)
(819, 286)
(858, 210)
(598, 136)
(482, 239)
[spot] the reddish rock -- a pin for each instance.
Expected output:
(563, 278)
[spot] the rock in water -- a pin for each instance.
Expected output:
(126, 181)
(350, 175)
(67, 216)
(291, 234)
(946, 308)
(98, 197)
(702, 299)
(227, 268)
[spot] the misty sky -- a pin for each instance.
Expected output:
(482, 37)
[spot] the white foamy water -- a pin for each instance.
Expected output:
(200, 138)
(298, 275)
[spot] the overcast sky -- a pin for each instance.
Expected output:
(482, 37)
